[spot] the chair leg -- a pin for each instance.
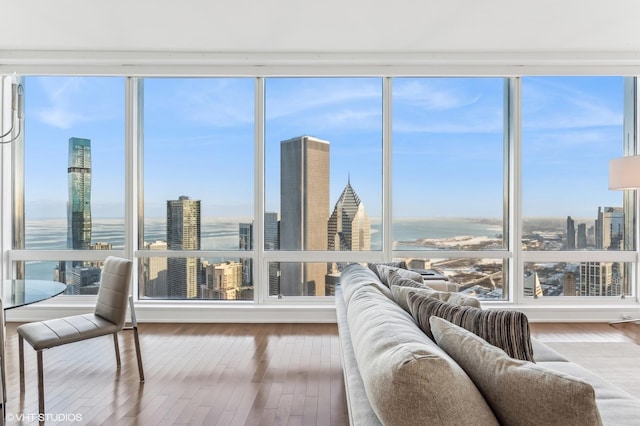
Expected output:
(117, 347)
(40, 385)
(138, 353)
(134, 327)
(21, 356)
(3, 361)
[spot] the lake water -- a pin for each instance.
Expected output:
(221, 234)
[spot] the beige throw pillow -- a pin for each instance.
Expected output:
(520, 393)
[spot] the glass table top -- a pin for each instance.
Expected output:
(16, 293)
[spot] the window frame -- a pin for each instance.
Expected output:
(11, 169)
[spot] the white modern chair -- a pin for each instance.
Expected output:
(108, 318)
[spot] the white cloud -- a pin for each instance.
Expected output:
(328, 94)
(434, 94)
(69, 101)
(58, 117)
(216, 102)
(552, 104)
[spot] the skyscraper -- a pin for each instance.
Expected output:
(245, 243)
(571, 234)
(183, 233)
(582, 236)
(609, 228)
(223, 281)
(532, 285)
(155, 272)
(569, 285)
(304, 211)
(596, 278)
(349, 227)
(271, 242)
(79, 205)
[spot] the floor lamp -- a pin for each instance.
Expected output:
(624, 174)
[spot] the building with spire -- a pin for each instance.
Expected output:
(77, 273)
(349, 227)
(79, 205)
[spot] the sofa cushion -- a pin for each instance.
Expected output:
(356, 276)
(508, 330)
(520, 393)
(385, 271)
(616, 406)
(360, 411)
(408, 379)
(543, 353)
(400, 296)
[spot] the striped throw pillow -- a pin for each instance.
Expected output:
(508, 330)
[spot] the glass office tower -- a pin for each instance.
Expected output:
(79, 206)
(184, 274)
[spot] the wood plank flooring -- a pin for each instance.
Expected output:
(210, 374)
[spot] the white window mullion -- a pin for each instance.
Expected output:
(513, 176)
(387, 210)
(260, 264)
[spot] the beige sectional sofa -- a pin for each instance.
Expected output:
(396, 375)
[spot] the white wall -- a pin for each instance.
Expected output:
(291, 26)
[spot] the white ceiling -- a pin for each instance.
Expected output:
(334, 26)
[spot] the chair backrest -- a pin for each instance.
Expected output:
(113, 294)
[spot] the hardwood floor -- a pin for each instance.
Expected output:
(210, 374)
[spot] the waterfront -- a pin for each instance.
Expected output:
(483, 277)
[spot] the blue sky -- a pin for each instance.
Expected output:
(447, 155)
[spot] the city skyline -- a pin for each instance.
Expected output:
(303, 226)
(571, 127)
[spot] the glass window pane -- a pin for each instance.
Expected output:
(179, 278)
(198, 161)
(323, 165)
(482, 278)
(577, 279)
(81, 277)
(288, 279)
(448, 163)
(74, 163)
(571, 128)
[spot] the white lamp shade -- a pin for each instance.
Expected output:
(624, 173)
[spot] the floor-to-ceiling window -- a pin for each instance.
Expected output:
(73, 169)
(449, 183)
(323, 177)
(198, 177)
(574, 229)
(262, 188)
